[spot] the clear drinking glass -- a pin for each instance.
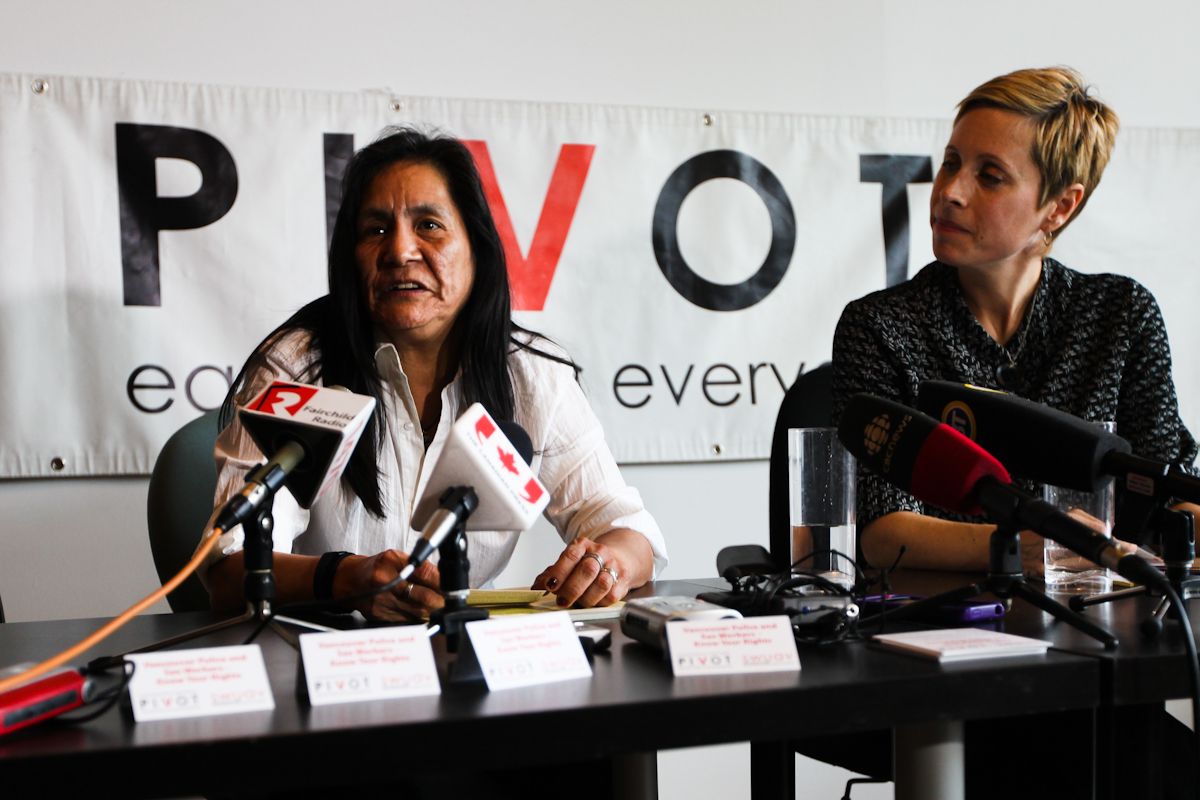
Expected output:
(1065, 570)
(822, 481)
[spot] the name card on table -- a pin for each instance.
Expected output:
(368, 664)
(173, 684)
(727, 646)
(527, 650)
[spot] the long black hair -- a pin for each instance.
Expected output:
(342, 338)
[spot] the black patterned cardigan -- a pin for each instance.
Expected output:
(1092, 345)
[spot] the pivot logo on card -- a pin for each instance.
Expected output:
(162, 702)
(284, 397)
(342, 684)
(709, 661)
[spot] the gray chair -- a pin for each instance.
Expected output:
(179, 504)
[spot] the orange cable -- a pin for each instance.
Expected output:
(112, 625)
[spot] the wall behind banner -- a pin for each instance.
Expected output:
(78, 548)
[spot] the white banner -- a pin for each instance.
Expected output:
(691, 262)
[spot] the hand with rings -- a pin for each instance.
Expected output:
(586, 574)
(406, 601)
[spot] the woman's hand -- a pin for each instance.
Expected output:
(599, 572)
(587, 574)
(406, 601)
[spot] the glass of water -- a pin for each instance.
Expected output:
(1066, 571)
(822, 478)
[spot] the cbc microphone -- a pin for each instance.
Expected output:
(482, 480)
(938, 465)
(310, 432)
(1050, 446)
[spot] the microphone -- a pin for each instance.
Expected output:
(1050, 446)
(942, 467)
(482, 481)
(310, 432)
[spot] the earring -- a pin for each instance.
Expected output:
(1048, 237)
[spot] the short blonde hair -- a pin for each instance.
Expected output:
(1073, 133)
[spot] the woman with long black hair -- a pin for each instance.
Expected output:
(418, 316)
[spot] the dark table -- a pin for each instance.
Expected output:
(1136, 678)
(631, 705)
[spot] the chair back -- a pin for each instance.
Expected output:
(807, 404)
(179, 504)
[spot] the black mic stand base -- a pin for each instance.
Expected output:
(259, 613)
(1006, 580)
(258, 587)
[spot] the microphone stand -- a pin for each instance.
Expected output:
(1006, 580)
(454, 568)
(258, 587)
(1176, 534)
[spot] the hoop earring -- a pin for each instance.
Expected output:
(1048, 238)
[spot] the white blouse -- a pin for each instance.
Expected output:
(588, 495)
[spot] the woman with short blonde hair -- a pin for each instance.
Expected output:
(1025, 154)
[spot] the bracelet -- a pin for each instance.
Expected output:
(323, 577)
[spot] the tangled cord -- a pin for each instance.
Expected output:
(840, 623)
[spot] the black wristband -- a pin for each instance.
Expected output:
(323, 577)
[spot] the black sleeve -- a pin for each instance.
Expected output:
(1147, 407)
(862, 362)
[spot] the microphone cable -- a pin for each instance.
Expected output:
(112, 625)
(1189, 641)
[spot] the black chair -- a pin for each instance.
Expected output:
(807, 404)
(179, 504)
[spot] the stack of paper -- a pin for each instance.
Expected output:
(960, 644)
(507, 602)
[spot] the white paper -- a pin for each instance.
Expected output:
(728, 646)
(953, 644)
(528, 650)
(174, 684)
(369, 664)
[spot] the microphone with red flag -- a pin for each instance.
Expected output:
(482, 480)
(938, 465)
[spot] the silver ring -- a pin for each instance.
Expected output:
(612, 572)
(407, 590)
(596, 556)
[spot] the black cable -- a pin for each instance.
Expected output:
(1189, 641)
(111, 696)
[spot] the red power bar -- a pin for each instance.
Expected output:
(42, 699)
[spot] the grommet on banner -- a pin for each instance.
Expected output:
(396, 105)
(39, 86)
(708, 120)
(57, 464)
(716, 449)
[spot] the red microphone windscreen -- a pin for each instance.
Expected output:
(947, 469)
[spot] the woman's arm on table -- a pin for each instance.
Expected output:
(355, 575)
(932, 543)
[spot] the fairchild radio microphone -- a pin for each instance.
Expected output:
(940, 466)
(308, 434)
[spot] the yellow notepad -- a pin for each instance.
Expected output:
(504, 597)
(507, 602)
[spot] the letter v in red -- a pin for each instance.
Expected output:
(530, 276)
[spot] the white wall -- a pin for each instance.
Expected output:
(74, 548)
